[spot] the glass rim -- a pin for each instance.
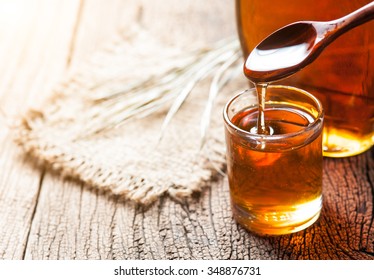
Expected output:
(274, 137)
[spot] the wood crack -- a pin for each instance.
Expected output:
(34, 212)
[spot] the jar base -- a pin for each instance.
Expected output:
(338, 143)
(278, 222)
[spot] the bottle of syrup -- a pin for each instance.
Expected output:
(342, 77)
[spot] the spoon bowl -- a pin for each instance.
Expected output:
(291, 48)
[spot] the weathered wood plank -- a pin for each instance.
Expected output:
(71, 222)
(33, 49)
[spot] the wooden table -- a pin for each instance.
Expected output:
(43, 216)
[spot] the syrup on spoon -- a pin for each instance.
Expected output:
(291, 48)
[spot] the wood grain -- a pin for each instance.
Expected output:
(33, 59)
(45, 217)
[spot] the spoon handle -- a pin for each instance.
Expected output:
(354, 19)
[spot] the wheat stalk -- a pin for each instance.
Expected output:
(145, 97)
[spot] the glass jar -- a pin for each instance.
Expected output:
(342, 77)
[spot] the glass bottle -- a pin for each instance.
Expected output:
(342, 77)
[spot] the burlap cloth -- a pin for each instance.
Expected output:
(127, 160)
